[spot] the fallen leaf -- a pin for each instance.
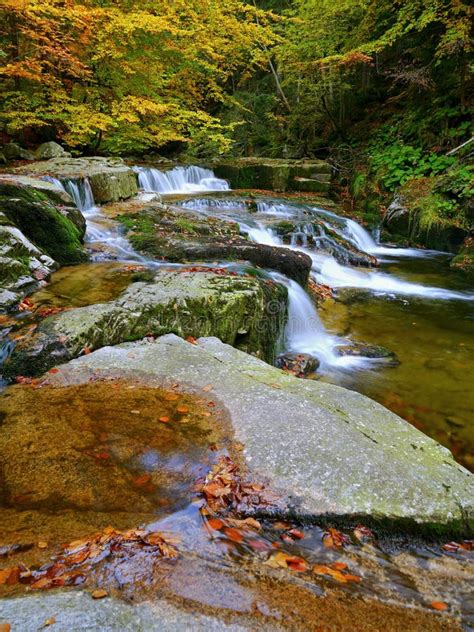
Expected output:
(9, 576)
(171, 397)
(335, 573)
(50, 621)
(339, 566)
(182, 409)
(334, 539)
(439, 605)
(283, 560)
(233, 534)
(142, 480)
(192, 340)
(208, 388)
(42, 544)
(53, 370)
(296, 533)
(100, 593)
(5, 627)
(215, 523)
(164, 419)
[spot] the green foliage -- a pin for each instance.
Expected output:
(396, 164)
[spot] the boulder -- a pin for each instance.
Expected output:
(181, 236)
(22, 265)
(299, 364)
(327, 450)
(363, 350)
(12, 151)
(40, 228)
(49, 150)
(241, 310)
(45, 215)
(110, 179)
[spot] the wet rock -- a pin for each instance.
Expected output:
(243, 311)
(110, 179)
(45, 215)
(12, 151)
(368, 351)
(464, 260)
(181, 236)
(330, 451)
(40, 228)
(299, 364)
(101, 447)
(49, 150)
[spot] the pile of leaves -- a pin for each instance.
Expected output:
(319, 290)
(71, 566)
(224, 489)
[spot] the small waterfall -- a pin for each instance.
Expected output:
(79, 189)
(260, 234)
(179, 180)
(99, 229)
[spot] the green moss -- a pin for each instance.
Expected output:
(42, 222)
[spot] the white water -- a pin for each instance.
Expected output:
(99, 229)
(305, 332)
(179, 180)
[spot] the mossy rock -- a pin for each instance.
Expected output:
(183, 236)
(464, 260)
(246, 312)
(111, 179)
(43, 217)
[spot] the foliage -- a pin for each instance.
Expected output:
(127, 76)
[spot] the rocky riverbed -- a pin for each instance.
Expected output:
(150, 430)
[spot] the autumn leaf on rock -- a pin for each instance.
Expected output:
(334, 539)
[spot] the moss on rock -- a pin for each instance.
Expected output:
(243, 311)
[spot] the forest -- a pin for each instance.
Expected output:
(383, 88)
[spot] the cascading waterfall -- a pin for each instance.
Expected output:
(179, 180)
(99, 229)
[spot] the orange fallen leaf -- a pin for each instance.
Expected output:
(439, 605)
(171, 397)
(50, 621)
(339, 566)
(42, 544)
(100, 593)
(86, 350)
(296, 533)
(182, 409)
(142, 480)
(234, 534)
(192, 340)
(164, 419)
(283, 560)
(9, 576)
(53, 370)
(5, 627)
(215, 523)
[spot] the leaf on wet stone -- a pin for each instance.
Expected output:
(215, 523)
(334, 539)
(439, 605)
(182, 409)
(283, 560)
(5, 627)
(100, 593)
(164, 419)
(233, 534)
(9, 576)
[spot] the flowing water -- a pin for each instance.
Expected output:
(413, 304)
(190, 179)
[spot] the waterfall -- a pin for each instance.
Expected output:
(99, 229)
(179, 180)
(260, 234)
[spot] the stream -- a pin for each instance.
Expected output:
(413, 304)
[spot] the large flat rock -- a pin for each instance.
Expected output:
(330, 451)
